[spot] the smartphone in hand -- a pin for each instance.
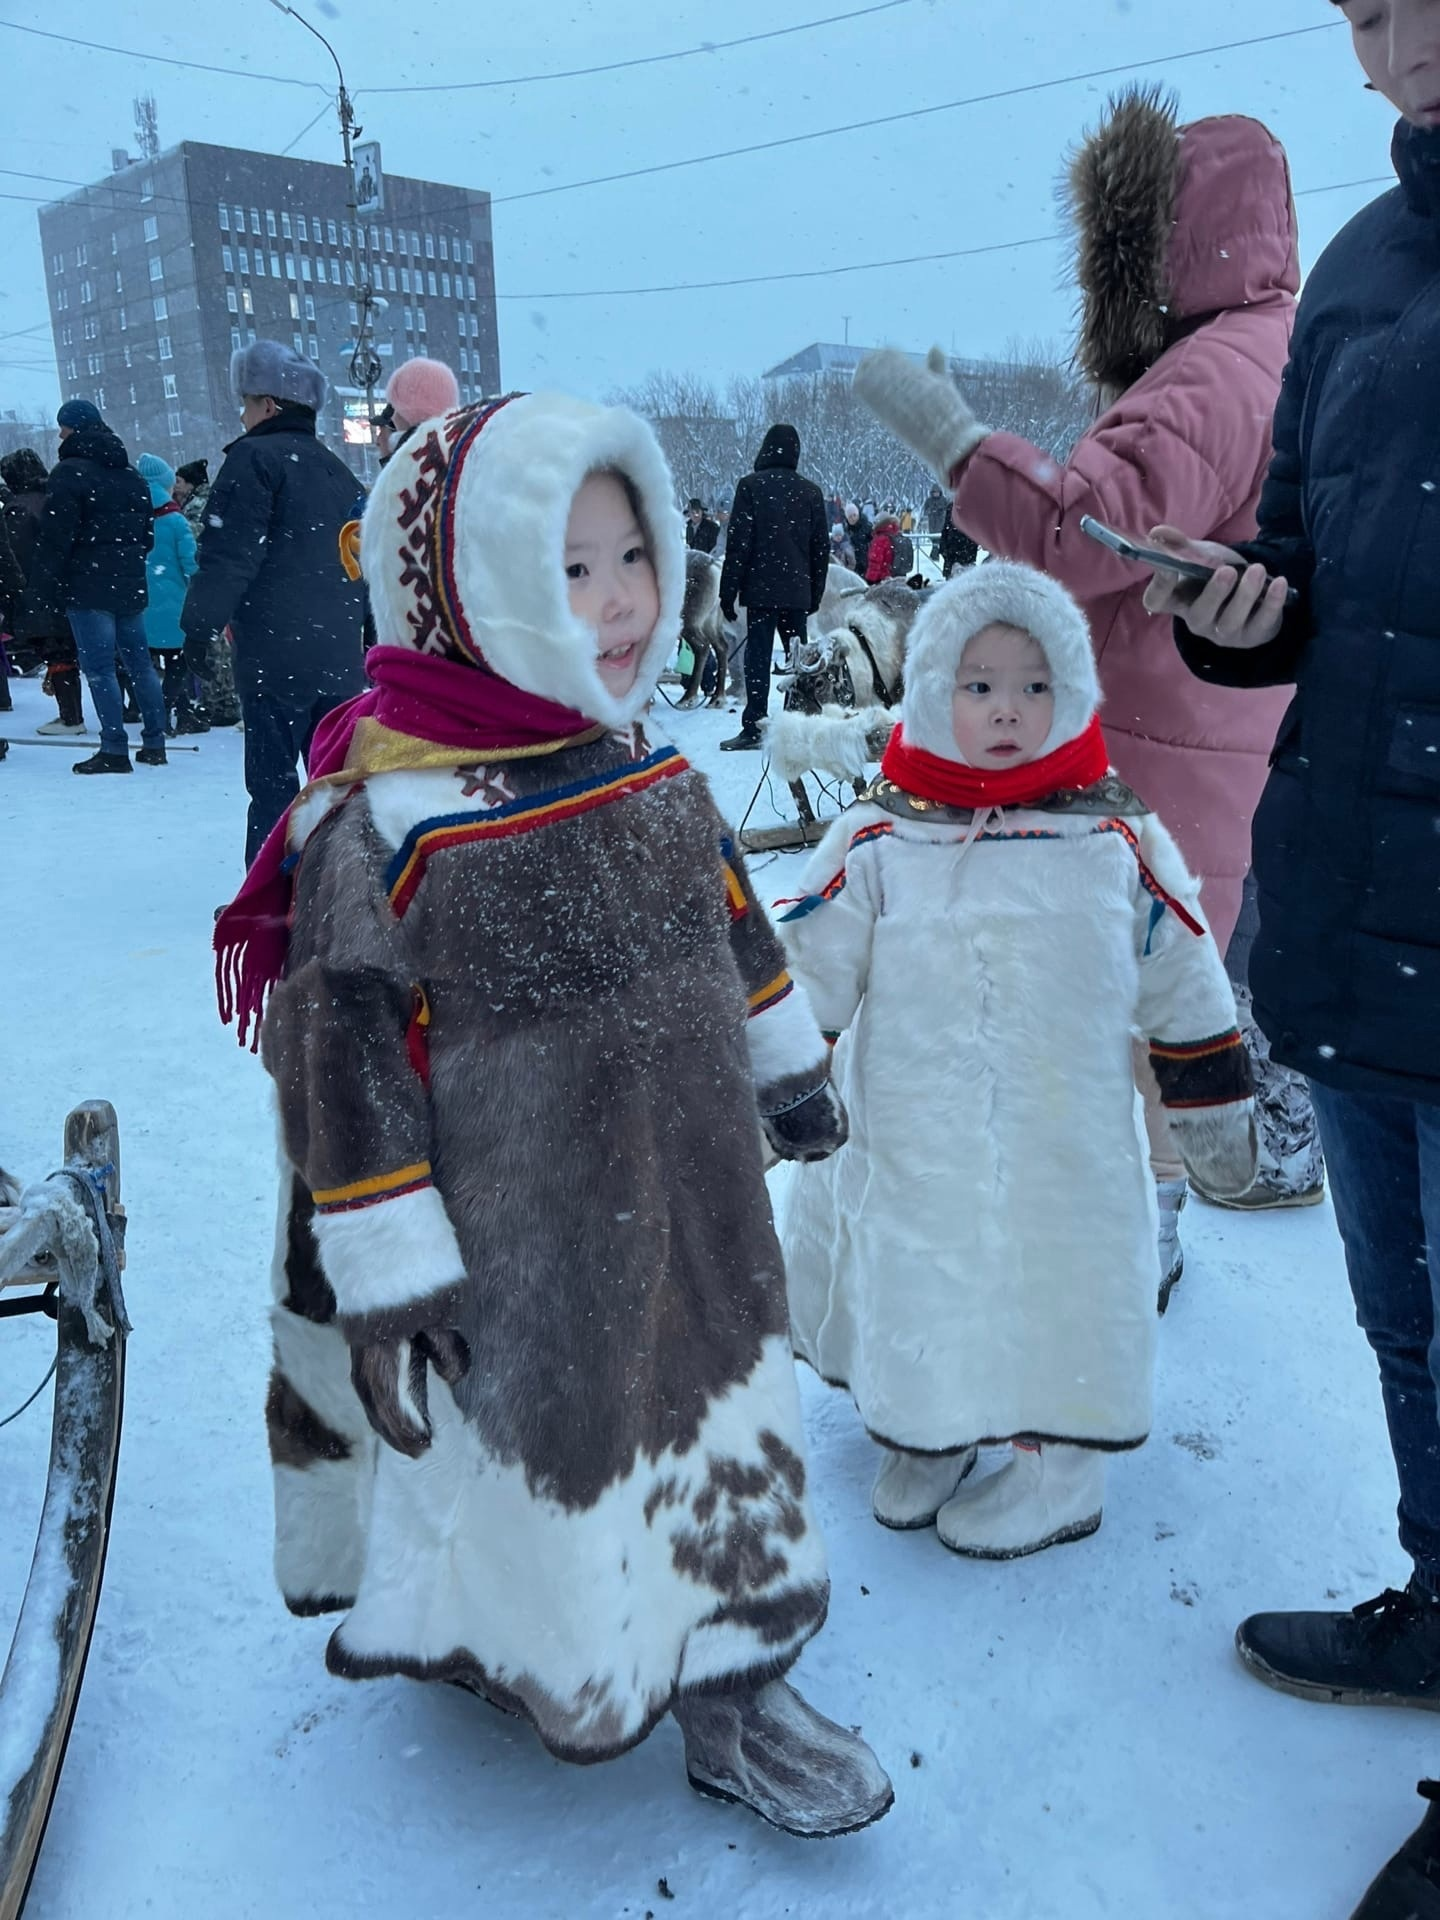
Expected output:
(1196, 572)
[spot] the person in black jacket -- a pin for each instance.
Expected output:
(777, 556)
(1345, 968)
(88, 565)
(24, 474)
(701, 532)
(270, 570)
(12, 589)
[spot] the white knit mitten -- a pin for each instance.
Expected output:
(921, 406)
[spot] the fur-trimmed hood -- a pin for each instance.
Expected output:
(953, 614)
(1172, 224)
(463, 539)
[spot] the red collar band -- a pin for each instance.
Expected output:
(1079, 763)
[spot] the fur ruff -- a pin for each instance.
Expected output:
(1121, 195)
(836, 740)
(953, 614)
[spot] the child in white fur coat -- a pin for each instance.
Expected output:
(983, 934)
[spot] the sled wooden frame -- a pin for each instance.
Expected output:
(57, 1615)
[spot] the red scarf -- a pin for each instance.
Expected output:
(1079, 763)
(424, 710)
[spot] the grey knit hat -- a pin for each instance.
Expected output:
(269, 367)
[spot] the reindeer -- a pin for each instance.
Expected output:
(703, 631)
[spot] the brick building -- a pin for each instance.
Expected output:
(157, 273)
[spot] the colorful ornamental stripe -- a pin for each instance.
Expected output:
(780, 988)
(428, 837)
(735, 893)
(810, 901)
(369, 1193)
(1202, 1073)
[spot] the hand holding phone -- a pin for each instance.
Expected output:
(1205, 584)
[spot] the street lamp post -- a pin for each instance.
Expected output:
(365, 368)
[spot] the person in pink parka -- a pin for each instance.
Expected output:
(1188, 271)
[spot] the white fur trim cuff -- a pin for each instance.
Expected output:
(389, 1254)
(785, 1040)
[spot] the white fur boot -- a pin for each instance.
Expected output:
(1049, 1495)
(769, 1750)
(911, 1488)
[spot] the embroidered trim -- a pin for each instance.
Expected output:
(778, 1113)
(807, 903)
(739, 905)
(771, 996)
(428, 837)
(369, 1193)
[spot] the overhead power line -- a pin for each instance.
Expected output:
(163, 59)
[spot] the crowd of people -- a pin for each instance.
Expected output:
(1135, 831)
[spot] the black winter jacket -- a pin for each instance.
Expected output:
(1346, 966)
(777, 550)
(270, 563)
(704, 536)
(94, 533)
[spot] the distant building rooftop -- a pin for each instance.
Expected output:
(827, 356)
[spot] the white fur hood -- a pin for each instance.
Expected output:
(463, 544)
(1018, 596)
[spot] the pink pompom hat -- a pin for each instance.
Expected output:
(422, 390)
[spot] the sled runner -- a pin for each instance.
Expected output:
(61, 1249)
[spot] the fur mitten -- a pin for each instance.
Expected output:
(921, 406)
(810, 1128)
(1218, 1146)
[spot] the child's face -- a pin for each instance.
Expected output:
(611, 578)
(1004, 705)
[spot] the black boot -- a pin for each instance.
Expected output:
(65, 684)
(103, 762)
(746, 741)
(1385, 1652)
(1408, 1885)
(152, 757)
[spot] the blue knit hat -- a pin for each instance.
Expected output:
(79, 413)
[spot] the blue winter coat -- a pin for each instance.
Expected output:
(168, 569)
(1346, 966)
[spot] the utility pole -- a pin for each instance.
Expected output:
(365, 367)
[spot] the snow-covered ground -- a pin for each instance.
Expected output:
(1069, 1735)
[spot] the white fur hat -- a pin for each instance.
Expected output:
(463, 544)
(998, 592)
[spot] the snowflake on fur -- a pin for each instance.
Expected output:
(487, 785)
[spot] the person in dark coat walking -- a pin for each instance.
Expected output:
(89, 565)
(777, 556)
(1345, 967)
(701, 532)
(25, 476)
(12, 590)
(270, 570)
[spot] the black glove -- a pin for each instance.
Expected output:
(197, 653)
(376, 1371)
(810, 1128)
(728, 614)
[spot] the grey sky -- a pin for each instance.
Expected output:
(974, 177)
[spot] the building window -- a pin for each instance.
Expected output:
(391, 272)
(444, 248)
(95, 363)
(100, 398)
(227, 259)
(429, 246)
(80, 255)
(334, 273)
(314, 348)
(165, 353)
(434, 289)
(259, 264)
(404, 279)
(409, 321)
(294, 306)
(274, 266)
(235, 341)
(302, 231)
(172, 420)
(87, 293)
(232, 300)
(114, 244)
(157, 267)
(70, 370)
(330, 228)
(172, 392)
(354, 313)
(65, 336)
(469, 253)
(349, 273)
(119, 281)
(246, 301)
(239, 220)
(152, 228)
(147, 188)
(285, 233)
(310, 307)
(244, 259)
(471, 280)
(126, 352)
(464, 359)
(254, 219)
(132, 395)
(289, 266)
(420, 320)
(415, 246)
(389, 240)
(304, 268)
(162, 312)
(344, 236)
(270, 223)
(250, 336)
(91, 327)
(224, 218)
(123, 322)
(374, 239)
(299, 340)
(62, 299)
(445, 285)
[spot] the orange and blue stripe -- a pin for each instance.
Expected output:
(771, 994)
(429, 837)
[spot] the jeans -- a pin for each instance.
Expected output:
(760, 626)
(1383, 1156)
(279, 727)
(99, 636)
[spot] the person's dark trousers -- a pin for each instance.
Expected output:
(760, 629)
(99, 637)
(278, 729)
(1383, 1156)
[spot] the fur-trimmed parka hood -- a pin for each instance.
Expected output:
(1015, 596)
(463, 544)
(1172, 224)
